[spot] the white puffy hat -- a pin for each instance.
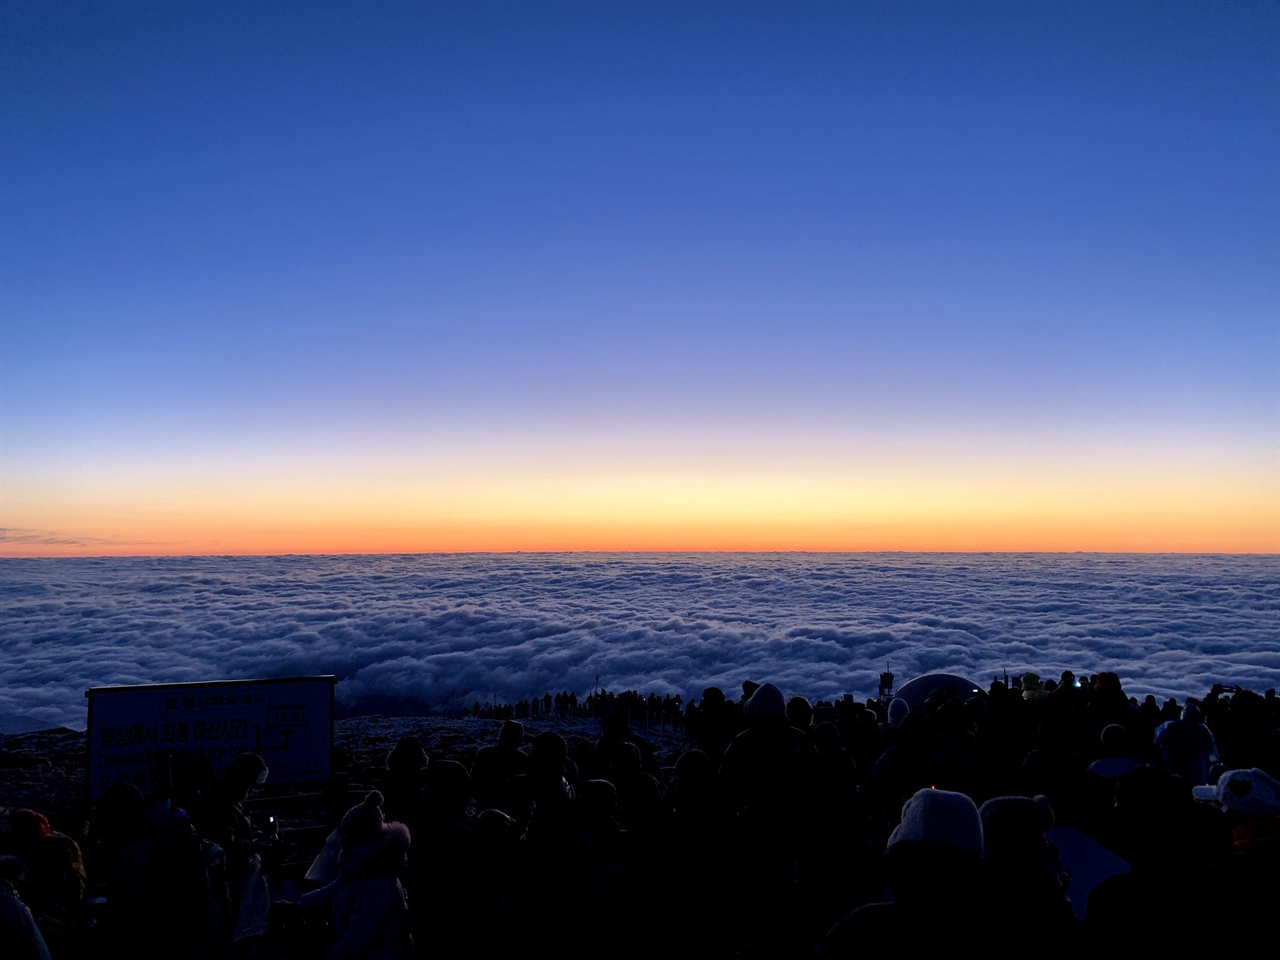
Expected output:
(940, 816)
(1243, 791)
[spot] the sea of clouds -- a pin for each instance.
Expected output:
(432, 633)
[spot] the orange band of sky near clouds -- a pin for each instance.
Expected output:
(949, 510)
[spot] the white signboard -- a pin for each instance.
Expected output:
(288, 721)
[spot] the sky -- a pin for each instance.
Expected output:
(383, 277)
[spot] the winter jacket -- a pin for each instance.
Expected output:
(369, 918)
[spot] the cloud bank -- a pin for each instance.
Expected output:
(434, 633)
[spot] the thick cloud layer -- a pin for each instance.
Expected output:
(434, 633)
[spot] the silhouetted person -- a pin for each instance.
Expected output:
(1250, 878)
(1022, 866)
(1186, 746)
(615, 730)
(222, 818)
(402, 781)
(800, 713)
(769, 772)
(718, 722)
(496, 766)
(20, 935)
(55, 880)
(934, 872)
(365, 905)
(442, 848)
(543, 795)
(1167, 840)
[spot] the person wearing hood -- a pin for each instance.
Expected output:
(367, 910)
(769, 773)
(935, 875)
(770, 768)
(897, 713)
(1186, 746)
(1033, 691)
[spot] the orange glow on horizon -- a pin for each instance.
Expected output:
(993, 509)
(1046, 535)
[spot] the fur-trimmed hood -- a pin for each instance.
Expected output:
(385, 855)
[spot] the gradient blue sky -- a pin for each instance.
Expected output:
(295, 277)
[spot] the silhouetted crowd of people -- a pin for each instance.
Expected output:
(639, 709)
(785, 830)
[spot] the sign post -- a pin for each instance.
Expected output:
(288, 721)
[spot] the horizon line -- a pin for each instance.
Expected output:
(648, 552)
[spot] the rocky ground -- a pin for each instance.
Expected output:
(44, 770)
